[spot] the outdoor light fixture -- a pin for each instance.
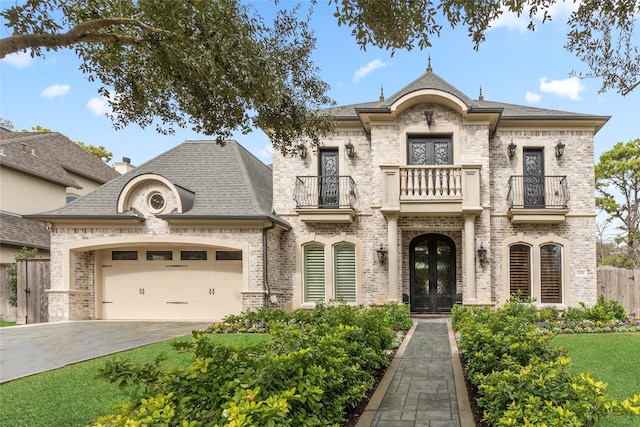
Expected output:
(428, 114)
(382, 254)
(482, 256)
(511, 149)
(302, 151)
(350, 150)
(559, 149)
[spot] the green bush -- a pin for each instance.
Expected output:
(522, 379)
(319, 364)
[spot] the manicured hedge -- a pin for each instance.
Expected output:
(522, 379)
(319, 364)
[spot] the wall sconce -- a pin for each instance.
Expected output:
(382, 254)
(302, 151)
(559, 149)
(350, 150)
(511, 149)
(428, 114)
(482, 256)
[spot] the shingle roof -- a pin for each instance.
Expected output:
(18, 231)
(430, 80)
(52, 156)
(228, 182)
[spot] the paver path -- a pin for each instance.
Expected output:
(422, 392)
(30, 349)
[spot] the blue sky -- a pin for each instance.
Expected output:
(514, 66)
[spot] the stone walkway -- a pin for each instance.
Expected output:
(424, 385)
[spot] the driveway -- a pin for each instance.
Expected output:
(31, 349)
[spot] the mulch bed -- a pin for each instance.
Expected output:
(472, 391)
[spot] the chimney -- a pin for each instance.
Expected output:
(124, 166)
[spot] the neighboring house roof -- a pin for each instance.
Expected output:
(53, 157)
(228, 182)
(18, 231)
(430, 80)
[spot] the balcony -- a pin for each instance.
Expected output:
(538, 199)
(328, 199)
(442, 190)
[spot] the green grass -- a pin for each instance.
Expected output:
(4, 323)
(611, 358)
(73, 396)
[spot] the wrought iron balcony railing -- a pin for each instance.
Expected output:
(329, 192)
(538, 192)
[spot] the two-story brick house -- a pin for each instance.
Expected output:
(428, 197)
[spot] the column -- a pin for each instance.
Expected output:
(392, 261)
(470, 295)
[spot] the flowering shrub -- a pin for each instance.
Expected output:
(319, 364)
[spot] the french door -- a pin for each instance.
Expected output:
(533, 178)
(328, 180)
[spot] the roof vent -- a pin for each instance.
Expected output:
(381, 93)
(480, 98)
(24, 147)
(33, 152)
(2, 152)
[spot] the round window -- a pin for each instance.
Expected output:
(156, 201)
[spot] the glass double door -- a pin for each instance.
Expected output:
(432, 260)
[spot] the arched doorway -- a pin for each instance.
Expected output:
(432, 264)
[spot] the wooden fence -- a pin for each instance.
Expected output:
(621, 285)
(33, 281)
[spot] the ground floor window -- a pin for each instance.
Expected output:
(329, 272)
(551, 273)
(536, 271)
(520, 271)
(345, 272)
(314, 278)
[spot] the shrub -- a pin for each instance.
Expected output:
(319, 364)
(521, 378)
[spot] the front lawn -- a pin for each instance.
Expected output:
(4, 323)
(610, 358)
(73, 396)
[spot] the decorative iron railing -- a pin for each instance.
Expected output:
(430, 182)
(329, 192)
(538, 191)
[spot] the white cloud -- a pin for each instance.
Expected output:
(367, 69)
(18, 60)
(99, 106)
(532, 97)
(567, 88)
(559, 12)
(55, 91)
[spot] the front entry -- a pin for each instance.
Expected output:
(432, 259)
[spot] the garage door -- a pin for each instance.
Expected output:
(166, 284)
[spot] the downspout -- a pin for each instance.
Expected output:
(265, 259)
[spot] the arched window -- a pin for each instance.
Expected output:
(344, 263)
(313, 273)
(520, 271)
(550, 273)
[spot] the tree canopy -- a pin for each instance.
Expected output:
(218, 67)
(617, 176)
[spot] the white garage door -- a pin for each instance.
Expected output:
(165, 284)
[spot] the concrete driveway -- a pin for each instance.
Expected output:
(31, 349)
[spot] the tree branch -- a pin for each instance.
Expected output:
(81, 33)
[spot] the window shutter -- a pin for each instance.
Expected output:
(551, 274)
(314, 280)
(345, 273)
(520, 271)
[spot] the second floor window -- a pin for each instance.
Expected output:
(429, 150)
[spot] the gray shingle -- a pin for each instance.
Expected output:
(52, 156)
(18, 231)
(228, 182)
